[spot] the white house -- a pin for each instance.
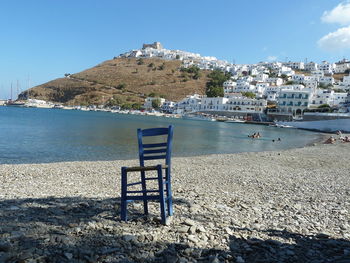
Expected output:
(326, 80)
(311, 66)
(342, 66)
(229, 86)
(326, 67)
(275, 81)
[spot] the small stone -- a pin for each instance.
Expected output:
(183, 229)
(192, 238)
(192, 230)
(189, 222)
(69, 256)
(129, 238)
(239, 259)
(201, 229)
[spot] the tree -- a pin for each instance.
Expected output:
(156, 103)
(323, 106)
(140, 61)
(136, 106)
(249, 94)
(284, 76)
(214, 87)
(161, 67)
(121, 86)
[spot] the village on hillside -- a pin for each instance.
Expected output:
(286, 89)
(261, 92)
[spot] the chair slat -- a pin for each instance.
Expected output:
(155, 132)
(154, 157)
(138, 197)
(154, 151)
(140, 192)
(154, 145)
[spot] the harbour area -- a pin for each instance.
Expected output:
(277, 206)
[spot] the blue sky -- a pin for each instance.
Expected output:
(42, 40)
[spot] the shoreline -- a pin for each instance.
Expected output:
(276, 205)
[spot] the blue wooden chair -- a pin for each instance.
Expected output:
(150, 151)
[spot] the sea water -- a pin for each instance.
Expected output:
(30, 135)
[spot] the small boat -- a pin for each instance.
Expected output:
(236, 121)
(197, 117)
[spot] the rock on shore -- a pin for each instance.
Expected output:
(286, 206)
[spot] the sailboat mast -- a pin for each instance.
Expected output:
(11, 91)
(17, 88)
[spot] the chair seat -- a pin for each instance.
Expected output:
(144, 168)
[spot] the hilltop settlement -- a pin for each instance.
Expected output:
(261, 92)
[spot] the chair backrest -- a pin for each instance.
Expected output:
(155, 150)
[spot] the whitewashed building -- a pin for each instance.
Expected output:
(326, 80)
(342, 66)
(311, 66)
(326, 67)
(229, 86)
(294, 101)
(275, 81)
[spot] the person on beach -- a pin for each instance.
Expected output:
(346, 139)
(330, 140)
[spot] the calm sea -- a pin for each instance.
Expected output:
(29, 135)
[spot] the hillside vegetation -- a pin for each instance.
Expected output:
(123, 81)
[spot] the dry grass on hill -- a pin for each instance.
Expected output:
(127, 79)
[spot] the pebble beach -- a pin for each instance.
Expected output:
(278, 206)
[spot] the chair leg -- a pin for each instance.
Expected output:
(169, 193)
(144, 189)
(161, 194)
(123, 206)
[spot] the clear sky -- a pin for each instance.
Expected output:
(41, 40)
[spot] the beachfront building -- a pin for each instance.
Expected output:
(244, 104)
(294, 99)
(329, 97)
(189, 104)
(210, 104)
(168, 106)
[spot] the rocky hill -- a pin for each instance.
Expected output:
(122, 81)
